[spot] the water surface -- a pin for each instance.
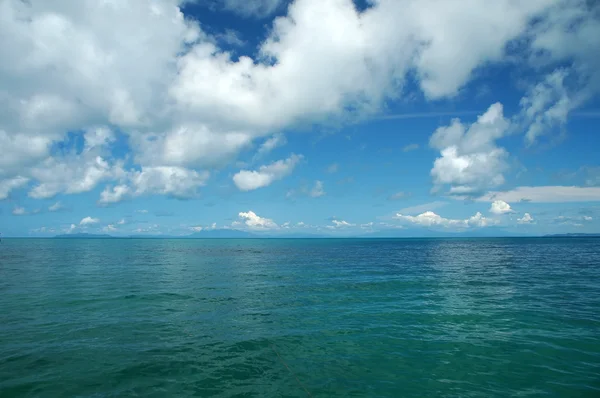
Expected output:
(327, 318)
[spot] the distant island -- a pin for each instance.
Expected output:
(239, 234)
(83, 235)
(208, 234)
(573, 235)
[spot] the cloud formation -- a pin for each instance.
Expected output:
(189, 106)
(89, 221)
(249, 180)
(254, 222)
(317, 191)
(431, 219)
(545, 194)
(470, 161)
(526, 219)
(500, 207)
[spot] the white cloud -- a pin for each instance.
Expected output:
(154, 228)
(121, 222)
(6, 186)
(89, 221)
(546, 106)
(500, 207)
(255, 222)
(188, 104)
(254, 8)
(114, 194)
(196, 229)
(19, 211)
(368, 225)
(573, 220)
(526, 219)
(71, 177)
(431, 219)
(471, 161)
(317, 191)
(423, 208)
(190, 145)
(340, 224)
(21, 150)
(109, 228)
(231, 37)
(171, 181)
(247, 180)
(569, 37)
(271, 143)
(77, 173)
(44, 230)
(545, 194)
(55, 207)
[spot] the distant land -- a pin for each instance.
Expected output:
(573, 235)
(83, 235)
(392, 233)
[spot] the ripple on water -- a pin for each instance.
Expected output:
(271, 318)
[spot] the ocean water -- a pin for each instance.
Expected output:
(297, 318)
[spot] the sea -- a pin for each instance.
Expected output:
(505, 317)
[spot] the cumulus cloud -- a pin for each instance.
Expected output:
(526, 219)
(247, 180)
(109, 228)
(431, 219)
(255, 222)
(6, 186)
(500, 207)
(340, 224)
(188, 105)
(70, 176)
(176, 182)
(470, 161)
(545, 194)
(89, 221)
(317, 191)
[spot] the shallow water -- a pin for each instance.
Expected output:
(271, 318)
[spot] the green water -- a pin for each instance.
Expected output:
(292, 318)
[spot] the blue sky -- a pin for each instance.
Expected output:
(277, 117)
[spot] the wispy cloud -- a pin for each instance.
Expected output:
(423, 208)
(545, 194)
(426, 115)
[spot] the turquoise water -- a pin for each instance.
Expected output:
(292, 318)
